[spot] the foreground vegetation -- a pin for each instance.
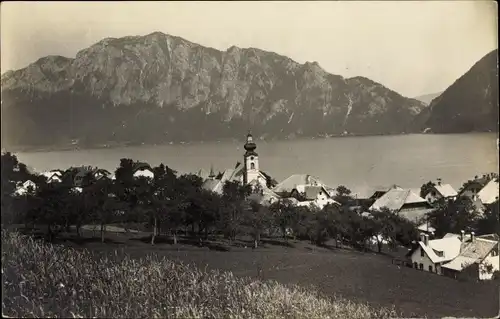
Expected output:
(43, 280)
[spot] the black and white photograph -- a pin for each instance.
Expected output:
(250, 159)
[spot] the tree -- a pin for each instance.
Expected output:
(14, 174)
(283, 214)
(343, 195)
(256, 218)
(453, 216)
(426, 188)
(232, 208)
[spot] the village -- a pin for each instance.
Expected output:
(451, 254)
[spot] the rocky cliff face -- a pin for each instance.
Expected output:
(159, 88)
(470, 104)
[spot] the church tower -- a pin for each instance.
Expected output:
(251, 160)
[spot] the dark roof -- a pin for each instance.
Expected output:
(140, 166)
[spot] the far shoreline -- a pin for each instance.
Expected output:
(114, 145)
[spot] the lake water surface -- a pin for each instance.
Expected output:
(360, 163)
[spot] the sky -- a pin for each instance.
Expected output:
(412, 47)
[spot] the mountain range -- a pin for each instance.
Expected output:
(159, 88)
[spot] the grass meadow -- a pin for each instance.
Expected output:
(45, 280)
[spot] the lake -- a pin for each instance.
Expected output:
(363, 164)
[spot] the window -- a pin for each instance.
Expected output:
(422, 253)
(421, 266)
(252, 166)
(430, 268)
(251, 157)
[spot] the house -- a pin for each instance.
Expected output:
(471, 188)
(425, 228)
(481, 193)
(478, 259)
(405, 202)
(286, 187)
(264, 196)
(53, 176)
(142, 170)
(440, 191)
(430, 255)
(84, 172)
(488, 195)
(380, 192)
(247, 173)
(316, 195)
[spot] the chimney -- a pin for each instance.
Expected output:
(422, 238)
(462, 236)
(472, 237)
(237, 164)
(426, 240)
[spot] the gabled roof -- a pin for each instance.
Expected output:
(414, 215)
(449, 246)
(140, 166)
(396, 198)
(213, 185)
(287, 185)
(446, 190)
(53, 176)
(489, 193)
(472, 252)
(425, 227)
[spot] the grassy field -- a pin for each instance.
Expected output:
(362, 278)
(41, 280)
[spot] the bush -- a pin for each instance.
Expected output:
(46, 280)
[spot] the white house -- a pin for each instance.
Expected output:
(308, 195)
(440, 191)
(430, 255)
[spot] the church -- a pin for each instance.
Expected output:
(247, 172)
(299, 189)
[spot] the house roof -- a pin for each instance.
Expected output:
(426, 228)
(459, 263)
(287, 185)
(471, 252)
(213, 185)
(446, 190)
(53, 176)
(489, 193)
(396, 198)
(140, 166)
(450, 246)
(414, 215)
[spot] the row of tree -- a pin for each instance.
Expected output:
(168, 204)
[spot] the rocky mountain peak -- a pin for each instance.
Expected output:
(158, 87)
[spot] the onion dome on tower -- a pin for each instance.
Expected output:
(250, 146)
